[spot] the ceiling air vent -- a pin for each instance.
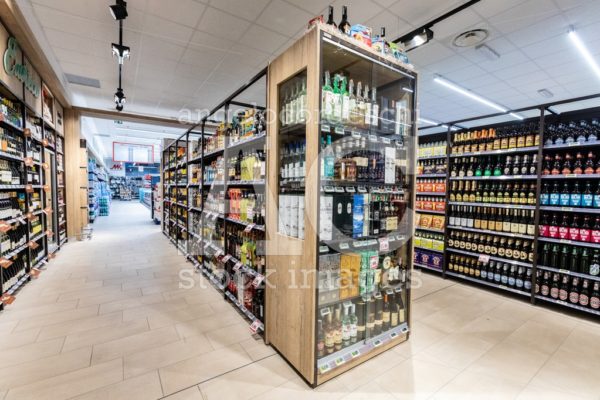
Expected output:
(83, 81)
(471, 38)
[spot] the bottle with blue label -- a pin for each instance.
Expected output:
(565, 195)
(597, 198)
(587, 199)
(575, 200)
(545, 195)
(554, 195)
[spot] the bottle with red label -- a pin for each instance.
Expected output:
(574, 233)
(585, 231)
(553, 227)
(563, 229)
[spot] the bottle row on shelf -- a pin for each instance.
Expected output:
(569, 289)
(431, 167)
(429, 241)
(493, 193)
(566, 164)
(428, 259)
(246, 247)
(492, 245)
(430, 186)
(430, 222)
(247, 206)
(572, 133)
(570, 227)
(437, 204)
(580, 260)
(493, 272)
(507, 220)
(12, 239)
(432, 149)
(503, 138)
(246, 125)
(494, 166)
(13, 273)
(247, 166)
(568, 195)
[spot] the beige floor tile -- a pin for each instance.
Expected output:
(370, 391)
(102, 335)
(297, 389)
(7, 326)
(536, 392)
(130, 302)
(203, 325)
(250, 381)
(257, 349)
(457, 350)
(510, 361)
(70, 384)
(57, 318)
(544, 337)
(81, 325)
(23, 374)
(416, 379)
(201, 368)
(131, 344)
(472, 386)
(162, 356)
(192, 393)
(18, 339)
(144, 387)
(421, 337)
(231, 334)
(162, 319)
(17, 313)
(31, 352)
(114, 297)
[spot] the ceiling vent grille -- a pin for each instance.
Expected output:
(83, 81)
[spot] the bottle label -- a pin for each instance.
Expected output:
(553, 232)
(588, 200)
(574, 233)
(595, 303)
(595, 269)
(544, 230)
(563, 233)
(575, 200)
(511, 281)
(544, 199)
(554, 199)
(574, 297)
(583, 300)
(564, 199)
(596, 201)
(563, 295)
(527, 285)
(483, 274)
(519, 283)
(554, 293)
(585, 235)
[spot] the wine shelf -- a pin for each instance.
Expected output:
(489, 284)
(431, 212)
(431, 158)
(572, 176)
(571, 145)
(244, 142)
(494, 258)
(488, 232)
(496, 152)
(442, 194)
(431, 176)
(567, 272)
(569, 305)
(429, 230)
(570, 242)
(246, 224)
(426, 249)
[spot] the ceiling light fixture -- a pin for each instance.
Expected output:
(119, 10)
(465, 92)
(545, 93)
(121, 52)
(409, 90)
(428, 121)
(417, 39)
(585, 53)
(486, 51)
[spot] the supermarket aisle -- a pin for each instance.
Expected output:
(108, 320)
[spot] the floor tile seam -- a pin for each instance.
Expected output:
(214, 377)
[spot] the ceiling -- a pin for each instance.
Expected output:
(192, 55)
(100, 134)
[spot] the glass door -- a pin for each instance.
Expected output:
(49, 200)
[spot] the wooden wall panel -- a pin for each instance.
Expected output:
(76, 171)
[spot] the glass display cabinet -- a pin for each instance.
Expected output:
(340, 215)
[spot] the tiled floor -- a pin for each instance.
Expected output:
(108, 320)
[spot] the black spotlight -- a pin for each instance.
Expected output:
(119, 10)
(120, 99)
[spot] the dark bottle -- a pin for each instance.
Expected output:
(545, 286)
(574, 260)
(554, 288)
(594, 266)
(590, 164)
(545, 256)
(574, 292)
(595, 297)
(584, 261)
(575, 200)
(545, 195)
(565, 195)
(563, 292)
(557, 166)
(587, 200)
(567, 167)
(344, 25)
(563, 262)
(527, 283)
(584, 294)
(330, 18)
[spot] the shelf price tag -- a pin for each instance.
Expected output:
(249, 228)
(384, 244)
(255, 326)
(45, 142)
(34, 273)
(339, 130)
(21, 220)
(570, 175)
(324, 368)
(344, 246)
(377, 343)
(237, 266)
(386, 140)
(4, 227)
(484, 258)
(325, 128)
(45, 166)
(355, 134)
(339, 361)
(7, 299)
(372, 138)
(257, 281)
(4, 263)
(29, 188)
(47, 210)
(323, 249)
(28, 161)
(27, 132)
(33, 245)
(355, 353)
(226, 258)
(393, 335)
(339, 189)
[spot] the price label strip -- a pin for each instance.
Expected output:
(384, 244)
(249, 228)
(7, 299)
(256, 325)
(257, 281)
(237, 266)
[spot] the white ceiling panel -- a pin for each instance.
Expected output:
(165, 29)
(359, 11)
(525, 14)
(430, 54)
(245, 9)
(186, 12)
(221, 23)
(263, 39)
(278, 14)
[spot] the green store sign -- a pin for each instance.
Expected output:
(18, 69)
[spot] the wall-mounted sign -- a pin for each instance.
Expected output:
(13, 65)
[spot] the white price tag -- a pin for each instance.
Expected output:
(484, 258)
(339, 361)
(384, 244)
(377, 343)
(249, 228)
(256, 325)
(355, 353)
(226, 258)
(344, 246)
(324, 368)
(237, 266)
(257, 281)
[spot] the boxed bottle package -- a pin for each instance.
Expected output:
(329, 278)
(349, 275)
(342, 215)
(358, 216)
(326, 218)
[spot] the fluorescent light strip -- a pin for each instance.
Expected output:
(469, 94)
(428, 121)
(517, 116)
(584, 51)
(409, 90)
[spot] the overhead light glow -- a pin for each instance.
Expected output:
(409, 90)
(468, 93)
(428, 121)
(417, 40)
(585, 53)
(517, 116)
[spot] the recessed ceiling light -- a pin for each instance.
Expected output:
(545, 93)
(471, 38)
(487, 52)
